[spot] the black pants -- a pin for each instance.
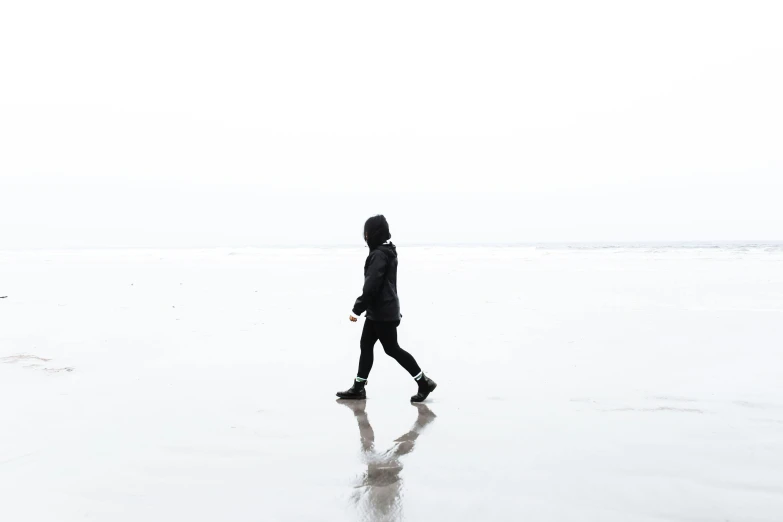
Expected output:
(386, 332)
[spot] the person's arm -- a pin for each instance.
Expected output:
(376, 273)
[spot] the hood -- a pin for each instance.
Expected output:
(376, 231)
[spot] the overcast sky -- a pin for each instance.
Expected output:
(183, 123)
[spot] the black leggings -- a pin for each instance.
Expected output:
(386, 332)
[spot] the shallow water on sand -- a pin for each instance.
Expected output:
(585, 384)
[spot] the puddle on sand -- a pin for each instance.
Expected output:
(378, 493)
(35, 363)
(660, 408)
(11, 359)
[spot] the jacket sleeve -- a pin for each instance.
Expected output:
(373, 279)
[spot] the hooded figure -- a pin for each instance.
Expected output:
(379, 299)
(379, 294)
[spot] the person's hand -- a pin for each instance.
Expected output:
(352, 318)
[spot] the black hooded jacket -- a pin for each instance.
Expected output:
(379, 295)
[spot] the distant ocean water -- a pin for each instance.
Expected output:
(599, 245)
(642, 247)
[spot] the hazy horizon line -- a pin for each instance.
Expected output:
(553, 243)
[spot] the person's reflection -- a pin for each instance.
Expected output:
(378, 494)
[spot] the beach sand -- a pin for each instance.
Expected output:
(601, 384)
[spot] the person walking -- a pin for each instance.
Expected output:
(382, 306)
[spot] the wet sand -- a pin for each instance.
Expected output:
(626, 384)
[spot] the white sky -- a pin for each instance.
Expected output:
(174, 123)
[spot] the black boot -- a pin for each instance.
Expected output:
(355, 392)
(426, 386)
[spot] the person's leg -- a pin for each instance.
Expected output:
(387, 333)
(367, 345)
(369, 337)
